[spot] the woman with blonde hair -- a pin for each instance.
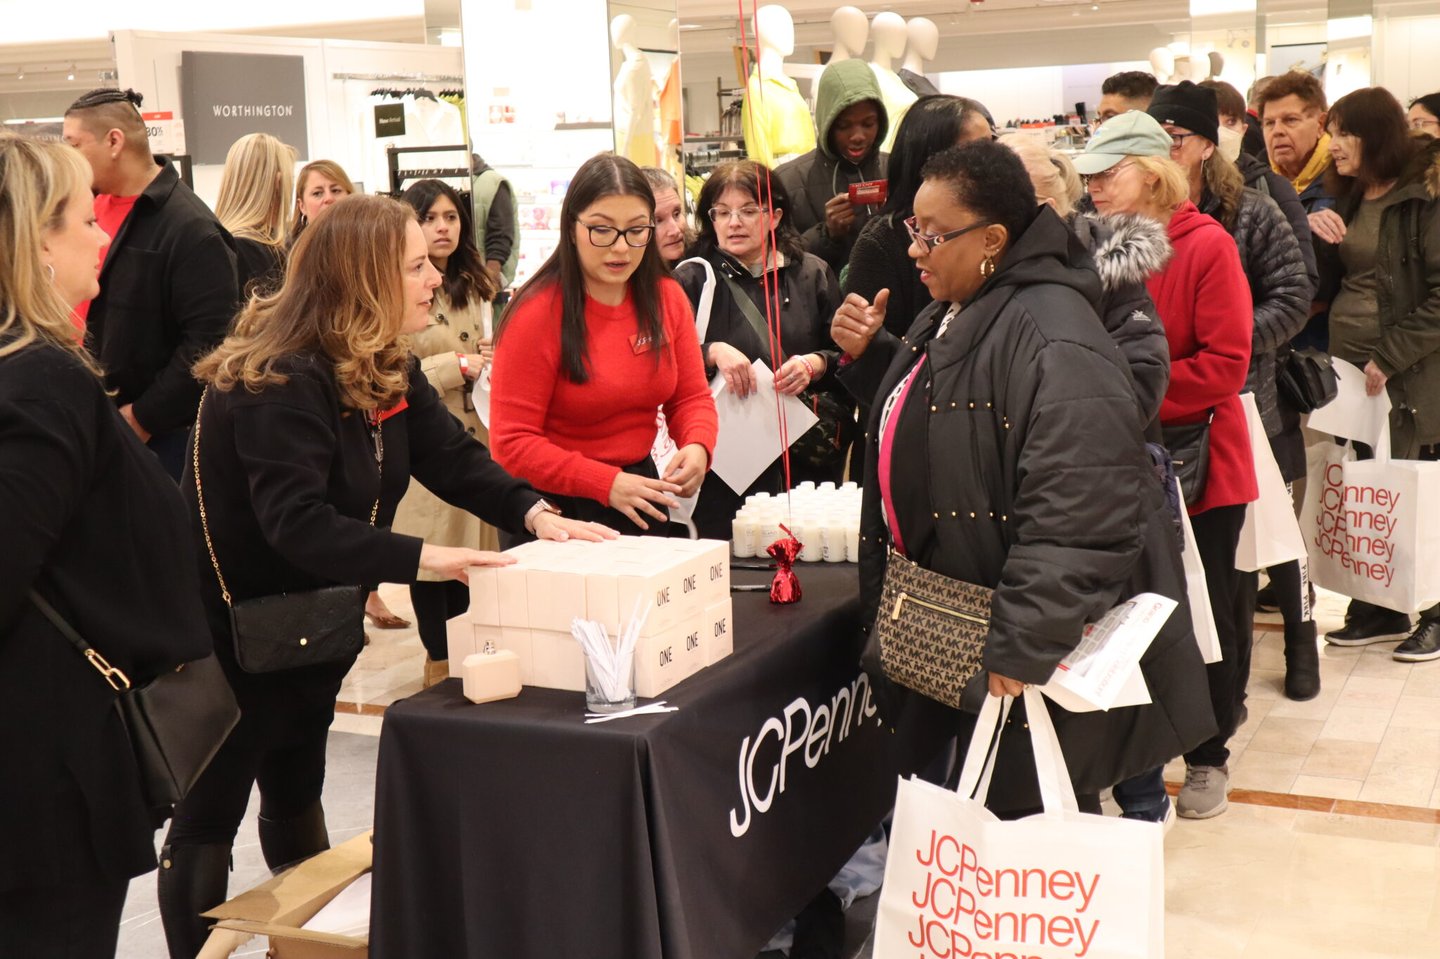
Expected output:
(254, 205)
(315, 419)
(96, 529)
(1204, 298)
(318, 185)
(1127, 250)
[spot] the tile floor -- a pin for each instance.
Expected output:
(1330, 848)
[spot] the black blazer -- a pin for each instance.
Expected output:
(290, 478)
(89, 519)
(168, 291)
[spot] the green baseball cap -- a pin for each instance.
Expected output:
(1135, 133)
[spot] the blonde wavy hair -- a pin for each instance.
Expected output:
(326, 168)
(1051, 173)
(255, 188)
(37, 181)
(343, 298)
(1171, 187)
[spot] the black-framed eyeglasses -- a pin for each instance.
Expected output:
(928, 241)
(1177, 140)
(607, 236)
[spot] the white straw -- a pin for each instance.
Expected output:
(611, 663)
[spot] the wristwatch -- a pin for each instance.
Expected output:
(541, 506)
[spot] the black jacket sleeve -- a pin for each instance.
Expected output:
(285, 446)
(864, 376)
(1077, 518)
(1131, 320)
(1288, 200)
(203, 292)
(1282, 290)
(500, 226)
(457, 467)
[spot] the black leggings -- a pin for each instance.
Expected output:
(1232, 601)
(278, 744)
(80, 920)
(434, 604)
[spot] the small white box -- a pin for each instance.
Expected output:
(556, 597)
(559, 661)
(489, 677)
(484, 596)
(514, 606)
(460, 639)
(718, 633)
(516, 639)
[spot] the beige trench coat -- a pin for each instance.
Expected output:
(422, 513)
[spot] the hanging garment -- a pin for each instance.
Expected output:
(776, 119)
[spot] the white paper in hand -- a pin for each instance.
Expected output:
(1103, 672)
(480, 396)
(1351, 414)
(750, 431)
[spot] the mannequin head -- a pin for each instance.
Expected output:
(1162, 63)
(890, 37)
(851, 28)
(775, 30)
(622, 30)
(924, 38)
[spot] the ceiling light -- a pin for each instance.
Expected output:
(1094, 6)
(71, 75)
(20, 74)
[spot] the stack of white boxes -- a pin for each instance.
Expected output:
(528, 608)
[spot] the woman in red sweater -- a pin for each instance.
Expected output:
(1203, 299)
(591, 347)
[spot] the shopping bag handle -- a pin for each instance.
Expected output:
(1057, 793)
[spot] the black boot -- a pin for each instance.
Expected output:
(287, 841)
(1366, 623)
(820, 929)
(192, 879)
(1302, 662)
(1423, 644)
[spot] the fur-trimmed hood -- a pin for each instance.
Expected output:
(1128, 248)
(1425, 168)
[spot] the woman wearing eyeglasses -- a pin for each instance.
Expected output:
(1007, 452)
(1424, 114)
(750, 246)
(590, 347)
(1204, 300)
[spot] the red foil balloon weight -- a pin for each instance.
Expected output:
(785, 587)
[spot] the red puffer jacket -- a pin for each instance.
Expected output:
(1204, 301)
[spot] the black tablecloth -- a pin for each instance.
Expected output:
(511, 830)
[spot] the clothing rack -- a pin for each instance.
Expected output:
(399, 177)
(401, 94)
(401, 77)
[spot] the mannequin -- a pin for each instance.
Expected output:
(924, 41)
(774, 115)
(1162, 64)
(851, 29)
(634, 96)
(890, 36)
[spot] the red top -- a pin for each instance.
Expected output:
(572, 439)
(1203, 299)
(110, 212)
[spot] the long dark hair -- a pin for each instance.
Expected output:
(932, 125)
(1375, 117)
(465, 274)
(598, 177)
(753, 179)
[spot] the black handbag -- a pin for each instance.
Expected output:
(291, 630)
(176, 722)
(1308, 379)
(1189, 447)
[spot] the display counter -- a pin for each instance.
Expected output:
(514, 830)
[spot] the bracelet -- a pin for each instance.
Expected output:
(464, 364)
(809, 367)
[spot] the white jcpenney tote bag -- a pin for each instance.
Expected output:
(1057, 885)
(1271, 534)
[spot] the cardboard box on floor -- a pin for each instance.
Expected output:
(280, 906)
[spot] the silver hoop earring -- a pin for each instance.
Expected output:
(51, 268)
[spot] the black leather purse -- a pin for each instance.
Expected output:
(291, 630)
(1189, 447)
(1308, 379)
(176, 722)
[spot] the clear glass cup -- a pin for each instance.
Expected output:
(608, 694)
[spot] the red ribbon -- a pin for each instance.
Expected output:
(785, 587)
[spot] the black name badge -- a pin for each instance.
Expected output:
(389, 119)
